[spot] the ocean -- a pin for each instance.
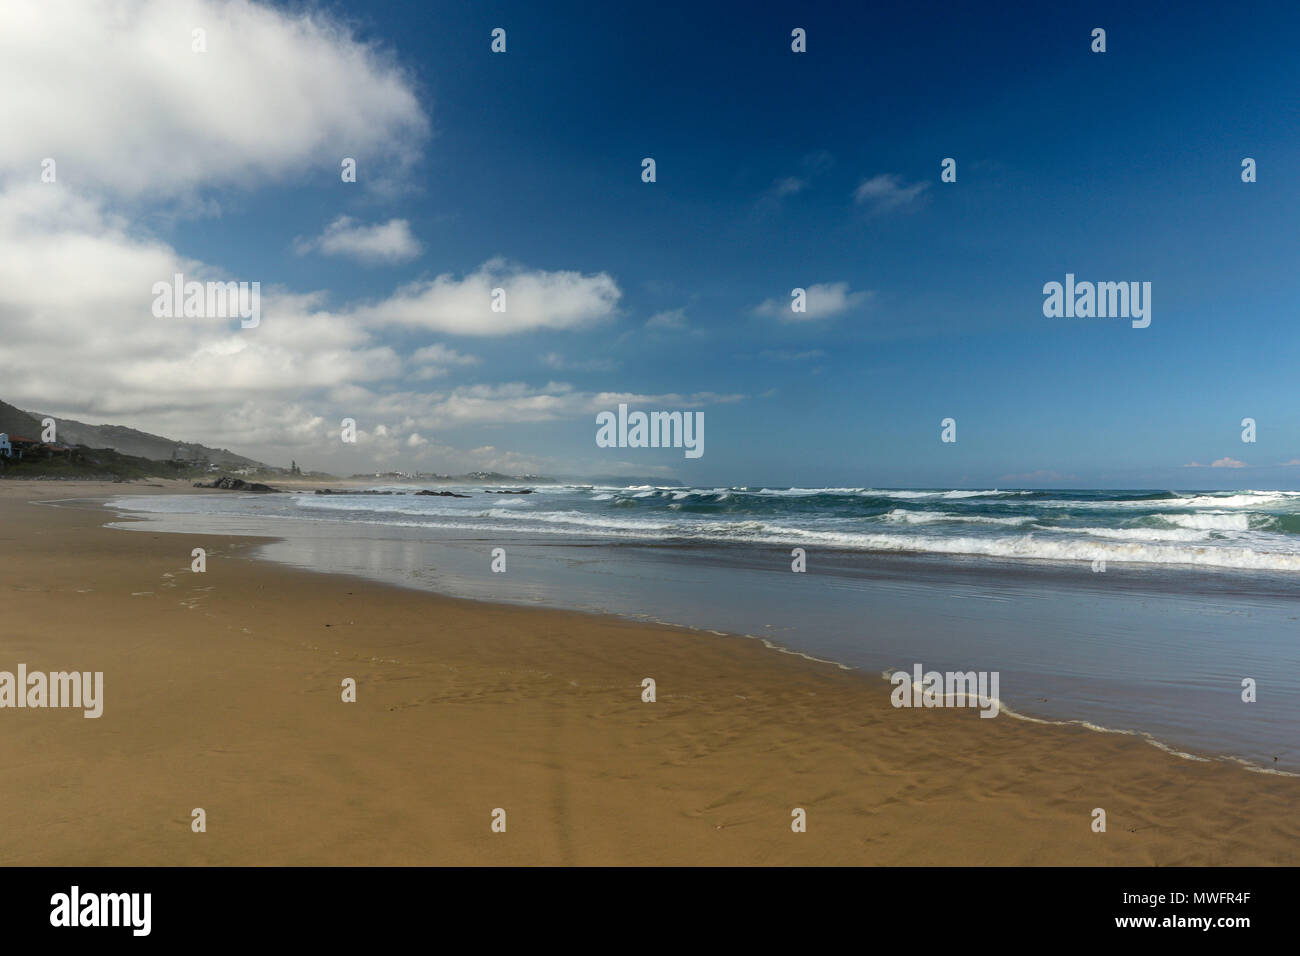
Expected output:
(1138, 612)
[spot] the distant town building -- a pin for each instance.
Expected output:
(17, 446)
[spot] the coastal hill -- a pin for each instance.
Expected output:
(126, 441)
(109, 451)
(15, 421)
(118, 451)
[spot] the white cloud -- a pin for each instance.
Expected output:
(821, 301)
(115, 94)
(441, 355)
(534, 299)
(433, 361)
(886, 191)
(80, 341)
(389, 242)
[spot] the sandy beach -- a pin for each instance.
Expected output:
(222, 691)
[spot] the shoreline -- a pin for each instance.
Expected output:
(535, 710)
(1004, 708)
(1246, 742)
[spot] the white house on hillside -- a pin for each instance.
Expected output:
(5, 448)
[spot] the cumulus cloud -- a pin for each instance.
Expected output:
(821, 301)
(434, 361)
(887, 191)
(115, 93)
(389, 242)
(75, 297)
(534, 299)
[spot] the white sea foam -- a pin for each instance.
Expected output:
(1211, 521)
(1231, 529)
(903, 516)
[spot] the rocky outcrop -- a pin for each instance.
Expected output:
(227, 483)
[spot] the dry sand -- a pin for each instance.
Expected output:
(222, 691)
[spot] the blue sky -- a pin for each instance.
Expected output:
(1124, 165)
